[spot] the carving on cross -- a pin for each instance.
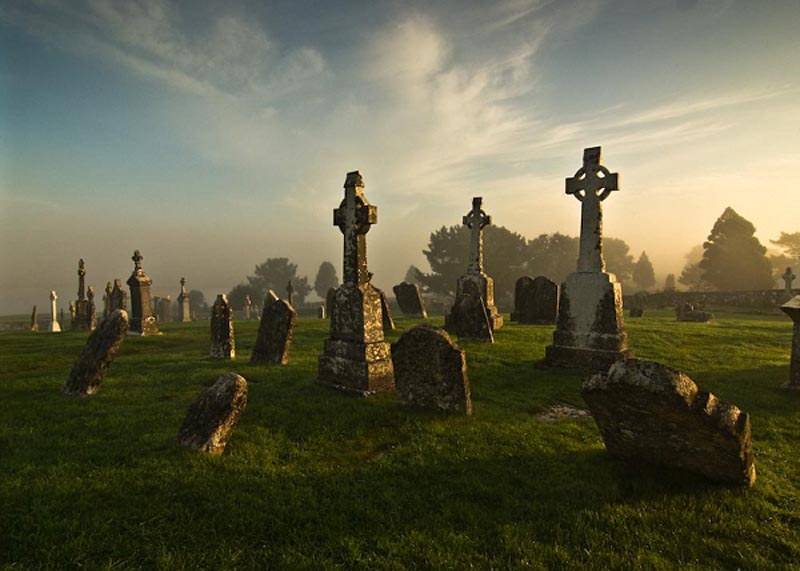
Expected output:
(588, 180)
(354, 217)
(475, 220)
(137, 260)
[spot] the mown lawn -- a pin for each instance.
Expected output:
(315, 479)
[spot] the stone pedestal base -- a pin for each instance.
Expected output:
(590, 328)
(54, 327)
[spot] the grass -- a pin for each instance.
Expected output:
(315, 479)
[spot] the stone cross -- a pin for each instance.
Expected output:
(591, 185)
(137, 261)
(289, 292)
(788, 278)
(183, 286)
(54, 325)
(354, 217)
(81, 276)
(475, 220)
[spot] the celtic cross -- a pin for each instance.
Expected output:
(354, 217)
(475, 220)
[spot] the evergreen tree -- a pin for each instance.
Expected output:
(275, 274)
(692, 275)
(669, 283)
(790, 243)
(733, 258)
(618, 259)
(553, 256)
(643, 274)
(237, 295)
(326, 279)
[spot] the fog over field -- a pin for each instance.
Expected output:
(212, 137)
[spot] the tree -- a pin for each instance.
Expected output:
(301, 290)
(275, 274)
(505, 254)
(618, 260)
(733, 258)
(196, 299)
(412, 275)
(643, 274)
(669, 283)
(692, 275)
(326, 279)
(790, 243)
(237, 296)
(553, 256)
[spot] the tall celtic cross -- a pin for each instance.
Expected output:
(475, 220)
(591, 185)
(183, 287)
(137, 261)
(354, 217)
(81, 277)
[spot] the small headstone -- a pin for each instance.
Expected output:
(321, 312)
(275, 332)
(164, 309)
(409, 298)
(636, 312)
(54, 326)
(431, 371)
(97, 355)
(184, 304)
(222, 340)
(649, 412)
(211, 418)
(34, 320)
(688, 312)
(788, 278)
(535, 301)
(469, 318)
(386, 312)
(142, 320)
(792, 309)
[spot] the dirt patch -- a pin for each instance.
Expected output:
(561, 412)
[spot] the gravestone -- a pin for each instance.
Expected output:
(431, 371)
(97, 355)
(356, 357)
(275, 332)
(81, 315)
(636, 312)
(469, 317)
(223, 345)
(248, 307)
(535, 301)
(184, 305)
(688, 312)
(330, 297)
(321, 312)
(476, 219)
(107, 300)
(788, 278)
(92, 308)
(119, 297)
(409, 298)
(164, 309)
(650, 413)
(54, 326)
(211, 418)
(34, 320)
(142, 320)
(71, 312)
(290, 293)
(590, 329)
(386, 311)
(792, 309)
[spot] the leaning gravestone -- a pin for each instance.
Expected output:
(590, 330)
(431, 371)
(409, 298)
(211, 418)
(649, 412)
(386, 312)
(475, 279)
(469, 317)
(97, 355)
(356, 356)
(274, 332)
(535, 301)
(223, 345)
(143, 322)
(792, 309)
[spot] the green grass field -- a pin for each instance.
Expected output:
(315, 479)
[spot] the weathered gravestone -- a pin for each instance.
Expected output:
(356, 357)
(476, 219)
(97, 355)
(34, 320)
(469, 317)
(119, 297)
(649, 412)
(211, 418)
(142, 320)
(184, 304)
(590, 330)
(792, 309)
(290, 292)
(636, 312)
(409, 298)
(535, 301)
(321, 312)
(107, 300)
(386, 311)
(330, 297)
(223, 345)
(92, 308)
(431, 371)
(688, 312)
(54, 326)
(248, 307)
(788, 278)
(82, 318)
(275, 332)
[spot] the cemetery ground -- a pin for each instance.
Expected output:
(316, 479)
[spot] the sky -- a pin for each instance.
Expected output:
(212, 136)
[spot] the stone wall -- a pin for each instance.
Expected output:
(771, 298)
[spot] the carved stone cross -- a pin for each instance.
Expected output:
(137, 260)
(475, 220)
(183, 287)
(354, 217)
(788, 278)
(81, 277)
(591, 185)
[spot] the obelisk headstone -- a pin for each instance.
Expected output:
(788, 278)
(590, 331)
(476, 219)
(142, 320)
(356, 357)
(792, 309)
(54, 326)
(222, 340)
(184, 305)
(248, 307)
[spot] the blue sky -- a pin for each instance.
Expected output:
(212, 136)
